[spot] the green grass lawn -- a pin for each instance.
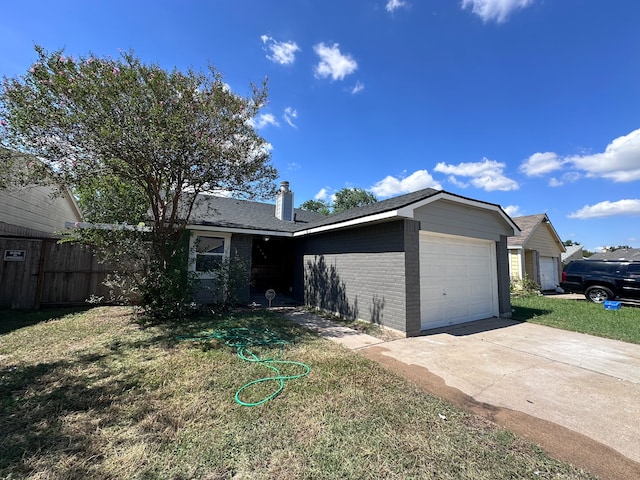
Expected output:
(579, 316)
(94, 394)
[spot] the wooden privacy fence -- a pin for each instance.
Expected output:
(41, 272)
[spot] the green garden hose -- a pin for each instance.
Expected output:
(241, 338)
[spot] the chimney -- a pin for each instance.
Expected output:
(284, 203)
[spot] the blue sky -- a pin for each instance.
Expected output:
(530, 104)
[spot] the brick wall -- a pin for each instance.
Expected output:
(502, 259)
(360, 272)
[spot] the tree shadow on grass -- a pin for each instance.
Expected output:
(51, 415)
(255, 326)
(524, 314)
(16, 319)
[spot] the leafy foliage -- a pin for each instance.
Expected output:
(524, 286)
(319, 206)
(344, 200)
(231, 282)
(137, 143)
(348, 198)
(110, 199)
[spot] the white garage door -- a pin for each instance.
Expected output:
(548, 273)
(458, 280)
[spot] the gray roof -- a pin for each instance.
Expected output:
(620, 254)
(243, 214)
(247, 215)
(528, 225)
(572, 252)
(375, 208)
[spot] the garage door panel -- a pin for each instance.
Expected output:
(548, 273)
(458, 280)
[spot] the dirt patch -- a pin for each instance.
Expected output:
(559, 442)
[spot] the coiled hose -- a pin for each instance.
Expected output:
(241, 338)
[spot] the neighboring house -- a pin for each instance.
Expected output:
(35, 211)
(537, 252)
(572, 252)
(418, 261)
(34, 269)
(619, 254)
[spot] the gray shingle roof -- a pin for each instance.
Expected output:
(375, 208)
(620, 254)
(527, 224)
(572, 252)
(243, 214)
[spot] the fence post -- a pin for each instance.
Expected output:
(44, 254)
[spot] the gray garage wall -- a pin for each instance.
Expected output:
(504, 294)
(370, 273)
(453, 218)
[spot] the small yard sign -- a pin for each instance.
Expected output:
(270, 295)
(14, 255)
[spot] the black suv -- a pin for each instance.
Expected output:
(602, 280)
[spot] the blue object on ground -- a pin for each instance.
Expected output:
(611, 305)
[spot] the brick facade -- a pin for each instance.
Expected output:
(360, 272)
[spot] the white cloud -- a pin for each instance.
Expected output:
(393, 5)
(498, 10)
(333, 63)
(488, 174)
(512, 210)
(619, 162)
(416, 181)
(264, 120)
(569, 177)
(554, 182)
(357, 88)
(323, 194)
(289, 115)
(457, 182)
(283, 53)
(608, 209)
(539, 164)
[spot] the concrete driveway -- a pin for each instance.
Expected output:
(576, 395)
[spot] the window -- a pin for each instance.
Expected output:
(634, 269)
(209, 252)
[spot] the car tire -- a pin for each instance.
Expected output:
(598, 294)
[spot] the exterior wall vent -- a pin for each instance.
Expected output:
(284, 203)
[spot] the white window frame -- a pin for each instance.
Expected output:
(193, 254)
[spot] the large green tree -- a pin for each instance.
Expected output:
(106, 126)
(343, 200)
(319, 206)
(348, 198)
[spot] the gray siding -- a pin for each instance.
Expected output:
(444, 216)
(504, 294)
(360, 273)
(240, 249)
(412, 277)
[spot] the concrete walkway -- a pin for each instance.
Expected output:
(583, 383)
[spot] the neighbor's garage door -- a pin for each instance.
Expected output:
(458, 280)
(548, 273)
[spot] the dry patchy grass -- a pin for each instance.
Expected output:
(96, 395)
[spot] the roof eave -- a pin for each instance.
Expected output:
(248, 231)
(377, 217)
(407, 211)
